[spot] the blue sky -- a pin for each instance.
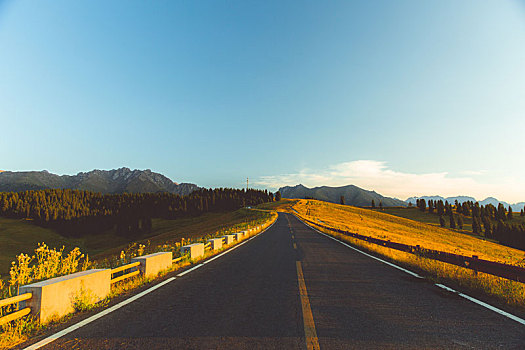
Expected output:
(404, 97)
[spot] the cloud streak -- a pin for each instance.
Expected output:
(378, 176)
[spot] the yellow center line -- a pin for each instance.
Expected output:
(312, 342)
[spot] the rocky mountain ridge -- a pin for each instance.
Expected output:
(120, 180)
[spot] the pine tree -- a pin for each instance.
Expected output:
(509, 214)
(476, 227)
(277, 196)
(373, 204)
(430, 206)
(342, 200)
(460, 222)
(440, 208)
(452, 221)
(442, 221)
(380, 205)
(500, 214)
(422, 204)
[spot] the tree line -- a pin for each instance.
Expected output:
(78, 213)
(487, 220)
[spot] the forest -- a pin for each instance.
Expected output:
(488, 221)
(77, 213)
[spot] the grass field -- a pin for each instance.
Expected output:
(283, 205)
(21, 236)
(398, 229)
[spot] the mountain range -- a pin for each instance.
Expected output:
(353, 195)
(516, 207)
(105, 181)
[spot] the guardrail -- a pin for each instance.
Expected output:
(502, 270)
(125, 275)
(17, 314)
(123, 272)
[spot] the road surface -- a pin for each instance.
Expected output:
(292, 288)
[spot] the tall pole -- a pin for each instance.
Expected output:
(246, 184)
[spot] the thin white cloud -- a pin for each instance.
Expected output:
(377, 176)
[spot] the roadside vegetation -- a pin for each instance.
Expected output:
(45, 262)
(396, 229)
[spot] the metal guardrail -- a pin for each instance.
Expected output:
(17, 314)
(124, 267)
(126, 275)
(498, 269)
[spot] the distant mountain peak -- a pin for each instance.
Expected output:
(105, 181)
(353, 195)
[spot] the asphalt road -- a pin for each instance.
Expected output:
(290, 287)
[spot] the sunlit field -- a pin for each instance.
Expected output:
(384, 226)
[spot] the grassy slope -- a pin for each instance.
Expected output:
(283, 205)
(21, 236)
(381, 225)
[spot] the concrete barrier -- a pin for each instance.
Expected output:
(239, 235)
(152, 264)
(216, 243)
(228, 239)
(56, 297)
(196, 250)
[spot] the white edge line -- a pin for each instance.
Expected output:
(474, 300)
(189, 270)
(88, 320)
(479, 302)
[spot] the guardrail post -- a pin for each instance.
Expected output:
(195, 250)
(152, 264)
(57, 296)
(216, 243)
(228, 239)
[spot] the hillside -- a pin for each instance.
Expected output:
(353, 195)
(384, 226)
(105, 181)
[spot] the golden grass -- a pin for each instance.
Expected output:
(384, 226)
(503, 290)
(396, 229)
(284, 205)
